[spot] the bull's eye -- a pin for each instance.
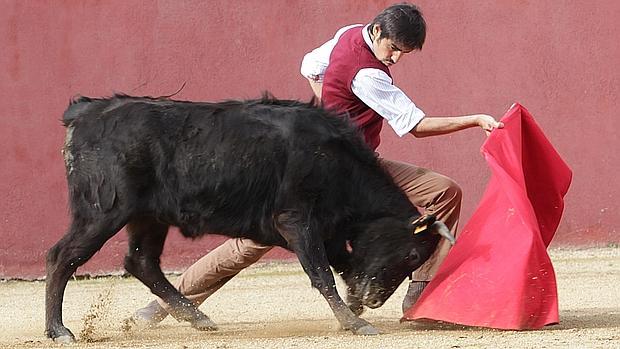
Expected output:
(414, 256)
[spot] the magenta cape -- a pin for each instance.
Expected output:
(499, 274)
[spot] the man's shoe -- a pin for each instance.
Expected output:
(150, 315)
(413, 293)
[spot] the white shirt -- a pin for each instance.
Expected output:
(372, 86)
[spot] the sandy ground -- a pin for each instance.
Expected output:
(272, 306)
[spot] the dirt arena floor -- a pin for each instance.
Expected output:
(272, 306)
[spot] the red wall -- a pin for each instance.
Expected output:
(558, 58)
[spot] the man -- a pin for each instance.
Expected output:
(350, 74)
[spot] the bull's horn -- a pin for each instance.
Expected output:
(442, 230)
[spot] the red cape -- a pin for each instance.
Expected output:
(498, 274)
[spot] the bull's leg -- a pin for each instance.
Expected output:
(63, 259)
(310, 250)
(340, 259)
(146, 243)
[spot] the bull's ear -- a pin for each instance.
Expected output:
(422, 223)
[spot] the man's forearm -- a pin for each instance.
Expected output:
(433, 126)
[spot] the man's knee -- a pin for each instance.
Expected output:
(452, 192)
(251, 251)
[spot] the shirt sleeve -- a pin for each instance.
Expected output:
(374, 87)
(315, 62)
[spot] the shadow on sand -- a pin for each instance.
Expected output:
(569, 319)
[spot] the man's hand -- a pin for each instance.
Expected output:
(317, 86)
(488, 123)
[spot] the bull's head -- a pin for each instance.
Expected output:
(385, 253)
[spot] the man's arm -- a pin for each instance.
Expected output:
(433, 126)
(315, 62)
(317, 88)
(375, 88)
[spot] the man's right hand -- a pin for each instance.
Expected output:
(488, 123)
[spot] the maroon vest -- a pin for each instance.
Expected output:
(351, 54)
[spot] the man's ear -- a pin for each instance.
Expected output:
(376, 31)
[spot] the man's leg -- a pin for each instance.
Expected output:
(438, 195)
(207, 275)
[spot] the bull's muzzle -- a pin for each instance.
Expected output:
(370, 295)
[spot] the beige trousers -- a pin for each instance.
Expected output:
(435, 193)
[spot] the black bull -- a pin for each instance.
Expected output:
(279, 172)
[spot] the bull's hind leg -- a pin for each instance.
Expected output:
(303, 238)
(85, 237)
(146, 243)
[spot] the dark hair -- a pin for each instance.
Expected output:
(402, 23)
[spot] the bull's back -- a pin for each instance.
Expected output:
(188, 136)
(217, 167)
(195, 165)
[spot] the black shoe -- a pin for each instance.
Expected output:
(413, 293)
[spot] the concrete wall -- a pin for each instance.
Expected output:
(558, 58)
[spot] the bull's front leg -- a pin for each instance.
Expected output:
(310, 250)
(340, 259)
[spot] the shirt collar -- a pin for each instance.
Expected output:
(366, 37)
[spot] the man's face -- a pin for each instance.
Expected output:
(386, 50)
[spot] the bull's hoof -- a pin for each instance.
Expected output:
(61, 335)
(195, 317)
(64, 339)
(361, 327)
(204, 325)
(367, 330)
